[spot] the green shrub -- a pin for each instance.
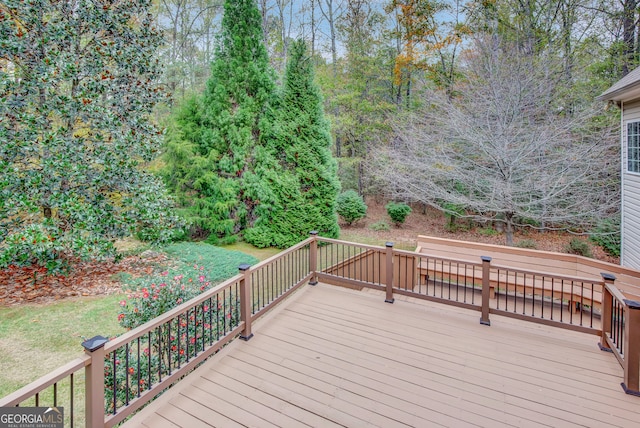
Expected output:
(398, 212)
(527, 221)
(527, 243)
(350, 206)
(54, 250)
(578, 247)
(452, 212)
(170, 345)
(607, 235)
(488, 231)
(380, 226)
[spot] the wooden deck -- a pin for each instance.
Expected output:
(330, 356)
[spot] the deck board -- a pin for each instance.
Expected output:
(331, 356)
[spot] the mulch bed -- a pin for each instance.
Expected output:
(20, 285)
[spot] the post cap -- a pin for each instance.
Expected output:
(608, 276)
(632, 304)
(485, 258)
(94, 343)
(244, 267)
(388, 244)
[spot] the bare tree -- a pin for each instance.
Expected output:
(285, 18)
(308, 22)
(189, 27)
(332, 12)
(505, 150)
(264, 11)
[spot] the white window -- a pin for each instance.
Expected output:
(633, 147)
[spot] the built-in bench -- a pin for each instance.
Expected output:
(504, 280)
(507, 262)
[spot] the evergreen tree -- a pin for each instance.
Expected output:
(215, 141)
(298, 167)
(78, 82)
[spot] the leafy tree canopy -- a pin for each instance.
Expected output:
(301, 172)
(239, 158)
(78, 81)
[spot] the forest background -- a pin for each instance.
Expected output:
(482, 109)
(390, 71)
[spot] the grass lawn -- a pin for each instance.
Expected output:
(35, 340)
(258, 253)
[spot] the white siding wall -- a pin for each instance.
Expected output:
(630, 196)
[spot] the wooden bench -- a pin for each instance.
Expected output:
(505, 280)
(627, 279)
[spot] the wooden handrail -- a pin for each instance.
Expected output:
(353, 244)
(615, 292)
(44, 382)
(282, 254)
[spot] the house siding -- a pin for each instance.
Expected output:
(630, 212)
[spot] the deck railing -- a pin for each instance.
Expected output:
(563, 301)
(123, 374)
(621, 333)
(62, 387)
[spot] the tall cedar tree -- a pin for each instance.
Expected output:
(303, 175)
(78, 82)
(215, 141)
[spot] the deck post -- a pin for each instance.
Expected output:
(486, 289)
(607, 306)
(631, 384)
(245, 301)
(94, 382)
(313, 258)
(389, 271)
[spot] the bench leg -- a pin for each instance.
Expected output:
(574, 306)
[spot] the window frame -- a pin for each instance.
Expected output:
(632, 148)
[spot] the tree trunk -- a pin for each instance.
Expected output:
(508, 219)
(628, 35)
(313, 28)
(265, 22)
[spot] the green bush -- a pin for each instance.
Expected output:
(380, 226)
(527, 243)
(46, 245)
(578, 247)
(607, 235)
(168, 346)
(398, 212)
(488, 231)
(350, 206)
(453, 212)
(197, 267)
